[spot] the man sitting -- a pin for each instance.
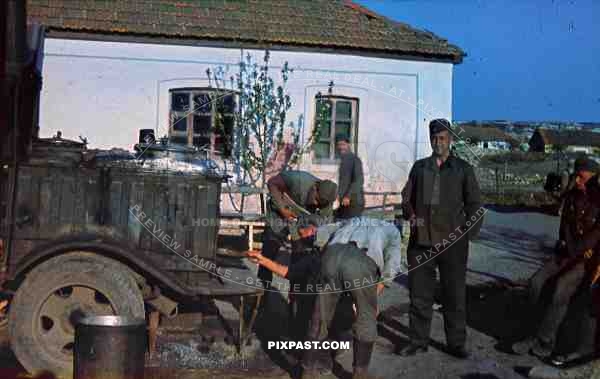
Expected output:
(579, 236)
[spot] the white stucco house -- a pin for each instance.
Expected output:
(486, 137)
(114, 67)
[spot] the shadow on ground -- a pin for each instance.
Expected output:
(505, 314)
(494, 310)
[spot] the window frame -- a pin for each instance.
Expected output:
(189, 134)
(355, 106)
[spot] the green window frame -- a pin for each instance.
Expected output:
(341, 117)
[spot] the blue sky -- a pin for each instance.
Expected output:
(527, 59)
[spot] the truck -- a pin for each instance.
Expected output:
(90, 232)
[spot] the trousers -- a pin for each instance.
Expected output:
(567, 286)
(452, 265)
(347, 269)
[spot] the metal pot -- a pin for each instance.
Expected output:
(110, 347)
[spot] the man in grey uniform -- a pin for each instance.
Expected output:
(350, 181)
(359, 257)
(297, 197)
(443, 193)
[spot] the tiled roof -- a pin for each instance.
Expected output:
(569, 137)
(483, 133)
(333, 24)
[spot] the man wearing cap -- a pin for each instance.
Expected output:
(350, 181)
(296, 197)
(441, 193)
(577, 247)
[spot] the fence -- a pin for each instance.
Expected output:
(243, 209)
(500, 181)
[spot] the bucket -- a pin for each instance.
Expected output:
(110, 347)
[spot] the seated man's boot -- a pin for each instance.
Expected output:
(541, 349)
(533, 346)
(523, 347)
(362, 356)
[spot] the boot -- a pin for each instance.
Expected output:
(362, 356)
(541, 349)
(522, 347)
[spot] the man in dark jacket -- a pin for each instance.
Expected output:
(350, 181)
(442, 202)
(579, 235)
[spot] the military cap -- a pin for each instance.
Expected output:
(439, 125)
(327, 192)
(342, 137)
(585, 164)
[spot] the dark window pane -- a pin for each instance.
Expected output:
(342, 128)
(323, 109)
(202, 124)
(180, 102)
(227, 125)
(223, 137)
(202, 103)
(223, 146)
(343, 110)
(178, 140)
(229, 104)
(321, 150)
(325, 129)
(203, 142)
(179, 124)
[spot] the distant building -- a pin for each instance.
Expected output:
(571, 140)
(486, 136)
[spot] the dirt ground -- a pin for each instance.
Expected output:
(511, 248)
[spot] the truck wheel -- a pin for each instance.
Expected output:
(58, 293)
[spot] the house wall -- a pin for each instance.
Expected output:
(570, 149)
(580, 149)
(107, 91)
(493, 146)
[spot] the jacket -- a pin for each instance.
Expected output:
(443, 202)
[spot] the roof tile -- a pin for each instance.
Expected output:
(569, 137)
(317, 23)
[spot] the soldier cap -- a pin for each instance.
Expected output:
(439, 125)
(327, 192)
(586, 164)
(342, 137)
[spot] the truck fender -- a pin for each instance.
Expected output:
(105, 247)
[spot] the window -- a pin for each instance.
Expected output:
(202, 117)
(337, 116)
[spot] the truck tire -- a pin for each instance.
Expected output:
(55, 295)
